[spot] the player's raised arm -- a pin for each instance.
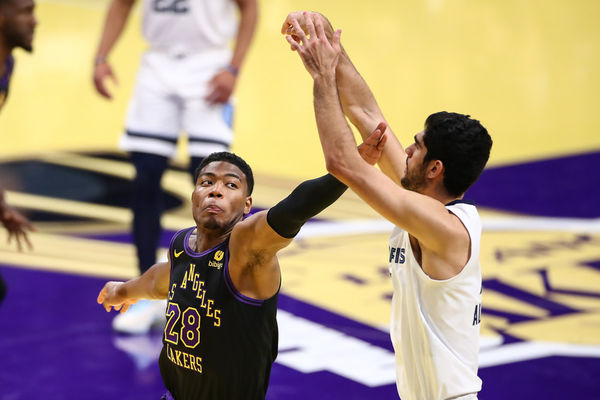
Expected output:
(256, 240)
(425, 218)
(358, 102)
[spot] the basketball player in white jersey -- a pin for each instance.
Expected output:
(184, 83)
(434, 248)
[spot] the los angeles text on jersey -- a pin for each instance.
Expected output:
(184, 359)
(191, 281)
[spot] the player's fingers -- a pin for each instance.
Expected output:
(29, 226)
(213, 96)
(107, 307)
(217, 96)
(298, 31)
(382, 141)
(293, 43)
(377, 134)
(310, 26)
(373, 138)
(297, 15)
(18, 240)
(224, 96)
(101, 295)
(287, 24)
(125, 308)
(211, 91)
(100, 88)
(335, 42)
(26, 239)
(318, 26)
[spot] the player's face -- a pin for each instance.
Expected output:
(220, 198)
(414, 173)
(17, 23)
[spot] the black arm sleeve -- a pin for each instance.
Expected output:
(307, 200)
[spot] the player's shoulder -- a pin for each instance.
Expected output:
(250, 222)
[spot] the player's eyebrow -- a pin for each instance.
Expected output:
(212, 175)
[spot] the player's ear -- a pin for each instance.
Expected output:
(435, 169)
(248, 205)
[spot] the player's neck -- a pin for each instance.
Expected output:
(207, 239)
(440, 193)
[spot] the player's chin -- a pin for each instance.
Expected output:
(212, 222)
(27, 46)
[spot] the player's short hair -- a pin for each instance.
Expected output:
(462, 144)
(231, 158)
(5, 2)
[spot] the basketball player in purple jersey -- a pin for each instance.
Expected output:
(222, 279)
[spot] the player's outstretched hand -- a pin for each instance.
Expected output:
(370, 150)
(16, 224)
(102, 71)
(287, 27)
(110, 297)
(318, 54)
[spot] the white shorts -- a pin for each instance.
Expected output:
(169, 97)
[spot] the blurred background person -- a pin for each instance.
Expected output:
(185, 82)
(17, 26)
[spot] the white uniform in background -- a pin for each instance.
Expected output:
(189, 43)
(435, 323)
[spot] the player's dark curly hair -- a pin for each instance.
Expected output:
(6, 3)
(231, 159)
(462, 144)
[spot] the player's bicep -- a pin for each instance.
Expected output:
(256, 235)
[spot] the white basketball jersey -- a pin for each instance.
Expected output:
(188, 26)
(435, 324)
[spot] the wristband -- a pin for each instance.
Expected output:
(99, 60)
